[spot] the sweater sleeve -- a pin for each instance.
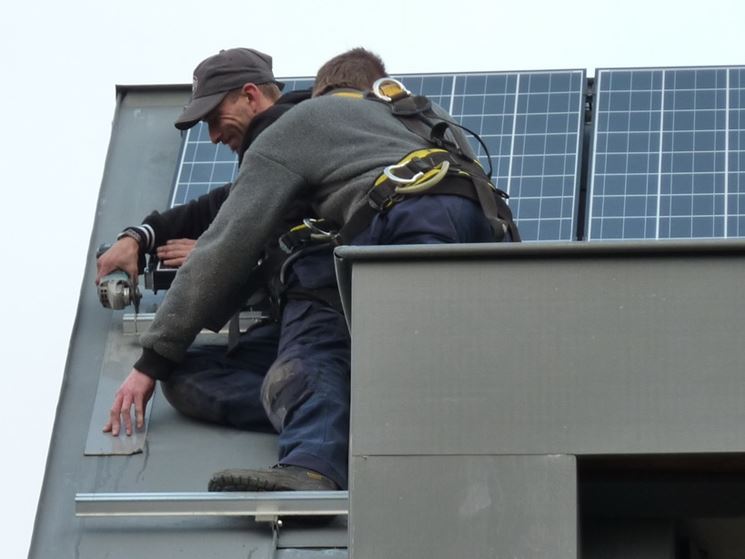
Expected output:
(211, 285)
(187, 221)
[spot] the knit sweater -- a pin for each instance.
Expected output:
(327, 150)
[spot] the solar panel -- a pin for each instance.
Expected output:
(668, 154)
(531, 123)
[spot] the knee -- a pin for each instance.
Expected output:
(182, 396)
(285, 387)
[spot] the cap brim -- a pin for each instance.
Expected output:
(197, 109)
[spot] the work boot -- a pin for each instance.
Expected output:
(279, 478)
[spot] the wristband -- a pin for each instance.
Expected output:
(133, 233)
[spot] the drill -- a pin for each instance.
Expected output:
(115, 290)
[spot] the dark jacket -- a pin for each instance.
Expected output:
(190, 220)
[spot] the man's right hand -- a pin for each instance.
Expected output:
(136, 389)
(123, 255)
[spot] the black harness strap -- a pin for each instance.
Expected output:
(417, 114)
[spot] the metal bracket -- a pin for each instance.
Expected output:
(135, 324)
(264, 506)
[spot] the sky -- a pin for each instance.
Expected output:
(60, 62)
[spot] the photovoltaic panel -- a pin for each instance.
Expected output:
(668, 154)
(531, 123)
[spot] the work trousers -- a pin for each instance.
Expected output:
(292, 377)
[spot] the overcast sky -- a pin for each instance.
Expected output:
(60, 61)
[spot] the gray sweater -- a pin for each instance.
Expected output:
(329, 149)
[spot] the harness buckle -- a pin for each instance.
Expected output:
(389, 89)
(318, 233)
(382, 199)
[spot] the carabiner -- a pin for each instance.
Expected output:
(388, 172)
(317, 232)
(380, 84)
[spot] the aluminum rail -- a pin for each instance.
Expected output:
(262, 505)
(135, 324)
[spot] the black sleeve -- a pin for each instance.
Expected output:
(188, 221)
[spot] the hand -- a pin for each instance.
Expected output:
(175, 252)
(136, 389)
(123, 255)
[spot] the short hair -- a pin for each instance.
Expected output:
(270, 90)
(357, 69)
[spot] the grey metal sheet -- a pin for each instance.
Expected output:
(516, 350)
(321, 537)
(463, 506)
(312, 554)
(184, 537)
(119, 355)
(179, 454)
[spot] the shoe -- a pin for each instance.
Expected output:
(279, 478)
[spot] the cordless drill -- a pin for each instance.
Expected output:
(115, 290)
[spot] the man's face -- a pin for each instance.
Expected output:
(229, 121)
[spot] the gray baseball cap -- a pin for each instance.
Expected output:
(217, 75)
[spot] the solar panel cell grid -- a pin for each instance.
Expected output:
(679, 130)
(530, 122)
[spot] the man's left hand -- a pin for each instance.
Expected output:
(175, 252)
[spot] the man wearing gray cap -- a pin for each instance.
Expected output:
(234, 93)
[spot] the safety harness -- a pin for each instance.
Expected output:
(442, 168)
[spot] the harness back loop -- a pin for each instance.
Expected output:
(389, 89)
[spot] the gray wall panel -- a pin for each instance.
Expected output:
(463, 506)
(578, 354)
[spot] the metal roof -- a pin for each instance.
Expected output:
(175, 454)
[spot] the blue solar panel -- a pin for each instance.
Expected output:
(531, 123)
(668, 149)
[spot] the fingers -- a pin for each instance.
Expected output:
(126, 415)
(102, 268)
(175, 252)
(139, 412)
(123, 254)
(120, 413)
(136, 390)
(175, 262)
(112, 426)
